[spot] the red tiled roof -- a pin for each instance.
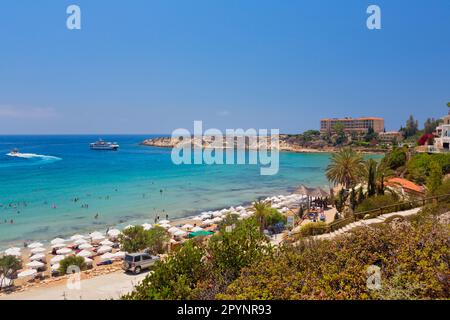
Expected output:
(406, 184)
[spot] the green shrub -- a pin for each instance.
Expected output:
(274, 216)
(137, 239)
(413, 261)
(377, 202)
(396, 158)
(313, 228)
(71, 261)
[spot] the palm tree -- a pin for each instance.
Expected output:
(261, 209)
(345, 168)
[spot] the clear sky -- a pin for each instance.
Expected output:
(150, 66)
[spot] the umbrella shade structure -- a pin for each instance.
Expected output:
(187, 226)
(119, 255)
(128, 227)
(76, 237)
(113, 233)
(107, 243)
(173, 230)
(85, 246)
(104, 249)
(107, 256)
(88, 261)
(85, 254)
(165, 225)
(98, 238)
(55, 267)
(58, 246)
(180, 233)
(195, 229)
(96, 234)
(80, 241)
(37, 257)
(35, 245)
(12, 252)
(201, 233)
(64, 251)
(57, 241)
(56, 259)
(312, 192)
(147, 226)
(35, 264)
(164, 222)
(37, 250)
(5, 282)
(27, 273)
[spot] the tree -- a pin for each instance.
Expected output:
(157, 240)
(71, 261)
(135, 239)
(174, 278)
(9, 265)
(353, 199)
(361, 195)
(371, 171)
(412, 126)
(430, 125)
(261, 209)
(345, 168)
(370, 135)
(339, 128)
(434, 180)
(232, 251)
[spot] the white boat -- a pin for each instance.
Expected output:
(104, 145)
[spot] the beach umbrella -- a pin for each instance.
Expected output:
(165, 225)
(95, 234)
(113, 233)
(147, 226)
(216, 219)
(128, 227)
(197, 218)
(35, 264)
(64, 251)
(173, 230)
(37, 250)
(58, 246)
(164, 222)
(104, 249)
(180, 233)
(85, 253)
(107, 256)
(80, 241)
(88, 261)
(55, 267)
(38, 256)
(119, 255)
(57, 241)
(12, 252)
(5, 282)
(196, 229)
(76, 237)
(85, 246)
(207, 222)
(27, 273)
(187, 226)
(56, 259)
(35, 245)
(107, 243)
(97, 238)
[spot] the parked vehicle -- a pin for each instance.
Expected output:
(136, 262)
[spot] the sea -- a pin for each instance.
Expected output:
(59, 187)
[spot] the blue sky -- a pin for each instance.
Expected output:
(147, 66)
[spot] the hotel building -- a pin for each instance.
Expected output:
(359, 125)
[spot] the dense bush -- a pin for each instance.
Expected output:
(419, 166)
(313, 228)
(274, 216)
(135, 239)
(71, 261)
(376, 202)
(199, 271)
(413, 260)
(396, 158)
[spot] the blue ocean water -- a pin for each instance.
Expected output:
(37, 192)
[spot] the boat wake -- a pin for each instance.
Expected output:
(33, 156)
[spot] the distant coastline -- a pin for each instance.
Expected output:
(285, 144)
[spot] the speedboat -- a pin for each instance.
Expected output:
(104, 145)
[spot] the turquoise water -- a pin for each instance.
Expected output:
(123, 187)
